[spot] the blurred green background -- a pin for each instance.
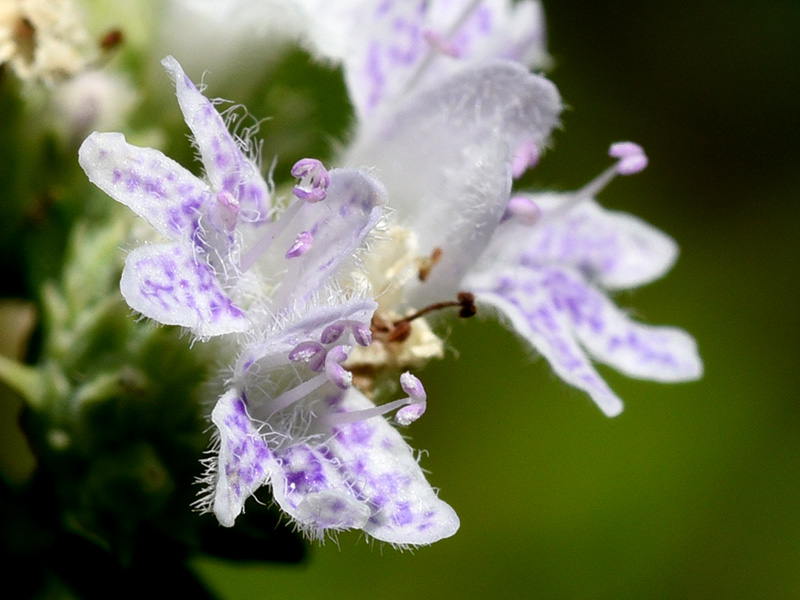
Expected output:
(693, 492)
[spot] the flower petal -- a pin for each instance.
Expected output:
(353, 207)
(382, 56)
(613, 248)
(452, 190)
(227, 168)
(245, 462)
(383, 472)
(167, 283)
(644, 351)
(310, 489)
(496, 29)
(525, 298)
(157, 188)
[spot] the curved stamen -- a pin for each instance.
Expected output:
(314, 180)
(410, 408)
(631, 155)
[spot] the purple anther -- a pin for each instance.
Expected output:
(340, 376)
(314, 180)
(301, 245)
(408, 414)
(632, 158)
(309, 352)
(362, 334)
(440, 43)
(332, 332)
(416, 400)
(522, 209)
(413, 387)
(526, 157)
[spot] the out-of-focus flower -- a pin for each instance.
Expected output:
(43, 40)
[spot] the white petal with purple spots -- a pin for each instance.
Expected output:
(157, 188)
(245, 461)
(226, 166)
(615, 249)
(383, 472)
(167, 283)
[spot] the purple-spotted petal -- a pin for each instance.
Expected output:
(495, 29)
(310, 489)
(167, 283)
(615, 249)
(338, 226)
(383, 473)
(453, 189)
(386, 51)
(245, 462)
(526, 300)
(659, 353)
(157, 188)
(226, 166)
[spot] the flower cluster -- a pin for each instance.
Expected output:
(340, 278)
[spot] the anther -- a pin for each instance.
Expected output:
(224, 213)
(426, 264)
(301, 245)
(632, 158)
(417, 399)
(309, 352)
(314, 180)
(340, 376)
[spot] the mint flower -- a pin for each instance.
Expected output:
(440, 92)
(276, 283)
(292, 420)
(546, 270)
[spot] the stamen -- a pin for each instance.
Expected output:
(526, 157)
(417, 400)
(334, 369)
(399, 330)
(522, 209)
(631, 155)
(426, 264)
(314, 180)
(273, 230)
(411, 408)
(361, 333)
(311, 353)
(298, 392)
(301, 245)
(434, 50)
